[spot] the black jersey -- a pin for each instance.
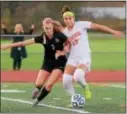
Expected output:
(51, 45)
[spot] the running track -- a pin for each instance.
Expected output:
(94, 76)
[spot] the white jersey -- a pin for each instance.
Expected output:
(79, 32)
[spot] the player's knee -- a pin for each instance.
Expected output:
(37, 84)
(79, 73)
(67, 79)
(49, 86)
(83, 67)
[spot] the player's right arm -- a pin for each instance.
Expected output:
(24, 43)
(37, 39)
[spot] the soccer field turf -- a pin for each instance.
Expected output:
(107, 54)
(107, 98)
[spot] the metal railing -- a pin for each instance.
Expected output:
(34, 35)
(12, 35)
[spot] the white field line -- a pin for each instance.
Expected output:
(107, 98)
(117, 86)
(12, 91)
(56, 98)
(108, 85)
(49, 106)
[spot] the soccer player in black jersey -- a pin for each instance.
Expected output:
(54, 63)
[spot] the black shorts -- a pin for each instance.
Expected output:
(50, 65)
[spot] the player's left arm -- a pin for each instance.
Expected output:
(65, 50)
(66, 45)
(106, 29)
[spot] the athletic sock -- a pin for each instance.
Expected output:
(79, 76)
(68, 84)
(39, 88)
(43, 93)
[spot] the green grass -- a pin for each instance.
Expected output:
(96, 105)
(107, 54)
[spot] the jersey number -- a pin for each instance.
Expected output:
(75, 41)
(53, 47)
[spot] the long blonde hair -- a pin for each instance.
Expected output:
(57, 26)
(19, 26)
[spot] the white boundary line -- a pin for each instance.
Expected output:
(11, 91)
(49, 106)
(117, 86)
(111, 85)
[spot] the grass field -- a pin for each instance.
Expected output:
(107, 54)
(106, 99)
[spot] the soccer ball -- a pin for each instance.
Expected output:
(78, 100)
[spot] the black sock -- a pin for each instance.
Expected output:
(39, 88)
(43, 93)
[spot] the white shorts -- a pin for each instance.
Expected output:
(80, 60)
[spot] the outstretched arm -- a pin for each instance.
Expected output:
(27, 42)
(106, 29)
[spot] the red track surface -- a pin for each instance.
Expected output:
(94, 76)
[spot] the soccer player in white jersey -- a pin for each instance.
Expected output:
(79, 60)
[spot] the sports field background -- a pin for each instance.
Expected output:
(106, 79)
(108, 54)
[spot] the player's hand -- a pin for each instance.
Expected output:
(32, 26)
(59, 53)
(119, 34)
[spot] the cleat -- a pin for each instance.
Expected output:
(70, 106)
(87, 92)
(35, 103)
(35, 93)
